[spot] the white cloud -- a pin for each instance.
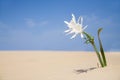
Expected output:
(32, 23)
(96, 21)
(4, 28)
(3, 25)
(43, 23)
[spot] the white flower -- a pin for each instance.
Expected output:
(75, 27)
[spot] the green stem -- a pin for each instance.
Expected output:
(98, 55)
(91, 40)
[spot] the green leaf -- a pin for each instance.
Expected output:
(90, 39)
(101, 47)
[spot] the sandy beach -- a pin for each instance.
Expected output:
(57, 65)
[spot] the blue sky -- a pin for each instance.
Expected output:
(39, 24)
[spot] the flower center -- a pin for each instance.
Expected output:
(78, 28)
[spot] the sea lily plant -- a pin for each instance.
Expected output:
(76, 27)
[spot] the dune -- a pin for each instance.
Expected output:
(57, 65)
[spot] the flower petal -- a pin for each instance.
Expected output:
(73, 36)
(82, 35)
(70, 32)
(67, 30)
(81, 19)
(85, 27)
(73, 18)
(66, 22)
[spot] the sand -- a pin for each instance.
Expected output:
(57, 65)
